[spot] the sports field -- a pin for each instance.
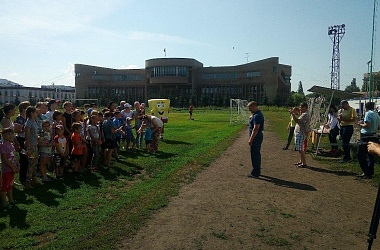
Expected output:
(98, 209)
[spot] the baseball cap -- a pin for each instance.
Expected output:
(59, 127)
(127, 105)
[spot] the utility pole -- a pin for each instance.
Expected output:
(336, 34)
(247, 56)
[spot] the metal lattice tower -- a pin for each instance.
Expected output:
(336, 34)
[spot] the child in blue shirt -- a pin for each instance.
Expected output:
(129, 133)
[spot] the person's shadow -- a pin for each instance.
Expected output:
(289, 184)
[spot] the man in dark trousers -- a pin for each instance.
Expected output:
(256, 127)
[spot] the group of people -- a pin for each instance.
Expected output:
(340, 122)
(74, 138)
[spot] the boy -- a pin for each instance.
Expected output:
(109, 131)
(118, 124)
(129, 133)
(61, 151)
(9, 166)
(78, 146)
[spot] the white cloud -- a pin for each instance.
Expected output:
(15, 74)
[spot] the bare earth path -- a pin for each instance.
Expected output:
(287, 208)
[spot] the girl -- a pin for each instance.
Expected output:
(46, 144)
(61, 151)
(77, 118)
(333, 125)
(78, 145)
(5, 116)
(9, 166)
(93, 136)
(31, 143)
(57, 120)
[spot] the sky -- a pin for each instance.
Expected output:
(40, 41)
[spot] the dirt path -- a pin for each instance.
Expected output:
(288, 207)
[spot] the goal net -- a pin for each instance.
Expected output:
(238, 111)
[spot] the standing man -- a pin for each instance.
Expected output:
(300, 132)
(256, 127)
(347, 118)
(367, 134)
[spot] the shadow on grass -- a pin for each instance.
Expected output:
(336, 172)
(17, 218)
(289, 184)
(174, 142)
(164, 155)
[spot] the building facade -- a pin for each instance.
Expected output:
(185, 80)
(17, 94)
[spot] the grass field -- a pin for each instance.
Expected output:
(98, 209)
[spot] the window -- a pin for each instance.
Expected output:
(219, 76)
(253, 74)
(99, 77)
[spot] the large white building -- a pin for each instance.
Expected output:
(11, 92)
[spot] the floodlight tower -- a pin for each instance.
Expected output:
(336, 34)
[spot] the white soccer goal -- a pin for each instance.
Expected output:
(238, 111)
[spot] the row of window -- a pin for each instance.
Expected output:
(129, 78)
(169, 71)
(228, 76)
(219, 76)
(43, 94)
(119, 78)
(115, 91)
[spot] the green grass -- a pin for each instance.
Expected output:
(98, 210)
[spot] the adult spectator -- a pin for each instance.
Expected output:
(19, 129)
(333, 125)
(127, 112)
(300, 131)
(347, 118)
(111, 106)
(256, 127)
(121, 107)
(367, 134)
(156, 125)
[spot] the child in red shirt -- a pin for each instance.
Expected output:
(10, 167)
(78, 147)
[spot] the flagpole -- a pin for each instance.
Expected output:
(373, 34)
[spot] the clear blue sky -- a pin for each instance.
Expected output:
(40, 41)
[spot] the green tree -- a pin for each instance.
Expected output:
(265, 99)
(352, 88)
(300, 89)
(295, 99)
(277, 100)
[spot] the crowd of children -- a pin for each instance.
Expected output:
(70, 141)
